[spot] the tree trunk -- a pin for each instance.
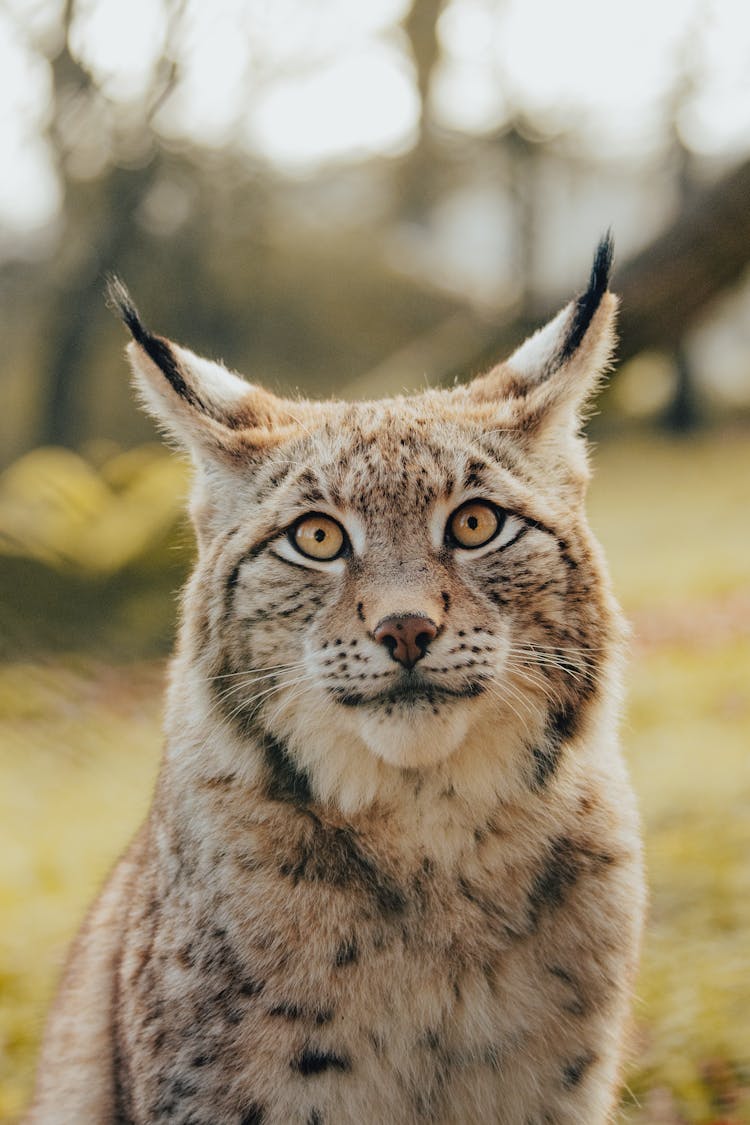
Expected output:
(78, 304)
(664, 289)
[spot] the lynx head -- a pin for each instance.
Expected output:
(382, 585)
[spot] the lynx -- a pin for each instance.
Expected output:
(391, 873)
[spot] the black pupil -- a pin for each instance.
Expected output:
(473, 522)
(319, 535)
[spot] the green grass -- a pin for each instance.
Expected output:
(687, 737)
(79, 744)
(78, 754)
(674, 518)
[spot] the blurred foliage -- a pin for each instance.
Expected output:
(314, 281)
(672, 517)
(91, 554)
(688, 728)
(80, 739)
(78, 753)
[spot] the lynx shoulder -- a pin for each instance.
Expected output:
(392, 871)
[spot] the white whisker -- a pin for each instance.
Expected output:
(232, 688)
(541, 686)
(299, 690)
(500, 696)
(252, 671)
(256, 701)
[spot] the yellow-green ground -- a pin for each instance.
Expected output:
(79, 743)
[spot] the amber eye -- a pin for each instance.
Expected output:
(474, 524)
(318, 537)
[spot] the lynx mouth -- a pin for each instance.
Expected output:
(410, 691)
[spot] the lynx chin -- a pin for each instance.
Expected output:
(391, 874)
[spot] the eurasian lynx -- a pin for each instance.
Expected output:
(392, 870)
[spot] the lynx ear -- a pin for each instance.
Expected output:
(198, 402)
(547, 381)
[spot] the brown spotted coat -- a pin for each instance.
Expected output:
(354, 901)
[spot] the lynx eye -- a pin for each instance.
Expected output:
(318, 537)
(474, 524)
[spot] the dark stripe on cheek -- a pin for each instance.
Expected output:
(563, 545)
(563, 724)
(233, 576)
(285, 781)
(229, 588)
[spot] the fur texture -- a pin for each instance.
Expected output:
(367, 892)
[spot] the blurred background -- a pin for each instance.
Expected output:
(360, 199)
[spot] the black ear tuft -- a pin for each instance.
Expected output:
(156, 347)
(587, 303)
(119, 299)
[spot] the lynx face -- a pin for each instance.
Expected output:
(391, 577)
(399, 589)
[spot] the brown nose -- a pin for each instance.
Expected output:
(406, 636)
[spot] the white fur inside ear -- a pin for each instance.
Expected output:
(189, 408)
(209, 388)
(530, 359)
(154, 390)
(212, 381)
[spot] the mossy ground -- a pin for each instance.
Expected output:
(79, 745)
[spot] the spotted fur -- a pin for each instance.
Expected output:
(366, 892)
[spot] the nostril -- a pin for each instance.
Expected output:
(422, 640)
(406, 636)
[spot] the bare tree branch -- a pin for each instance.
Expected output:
(666, 287)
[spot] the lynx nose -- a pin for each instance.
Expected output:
(406, 636)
